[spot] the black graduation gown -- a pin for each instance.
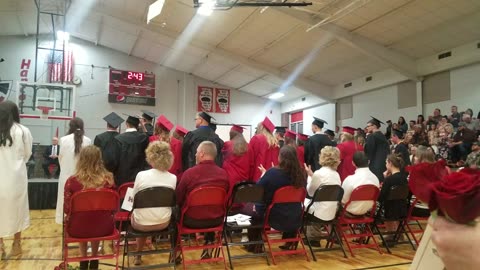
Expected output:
(105, 141)
(377, 150)
(313, 146)
(150, 129)
(191, 142)
(130, 156)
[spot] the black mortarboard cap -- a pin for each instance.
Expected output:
(113, 119)
(398, 133)
(375, 121)
(133, 120)
(281, 129)
(330, 132)
(207, 117)
(148, 115)
(319, 122)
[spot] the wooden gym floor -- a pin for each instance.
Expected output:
(41, 245)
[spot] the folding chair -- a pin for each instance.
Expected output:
(327, 193)
(288, 194)
(243, 192)
(396, 193)
(122, 216)
(91, 200)
(415, 221)
(362, 223)
(207, 197)
(150, 198)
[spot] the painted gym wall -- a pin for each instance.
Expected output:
(175, 90)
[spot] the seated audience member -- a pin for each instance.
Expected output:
(443, 125)
(400, 147)
(420, 120)
(204, 174)
(462, 142)
(432, 134)
(470, 123)
(437, 115)
(284, 217)
(469, 112)
(90, 173)
(419, 137)
(160, 158)
(326, 175)
(455, 117)
(411, 128)
(393, 177)
(473, 159)
(362, 176)
(413, 151)
(402, 125)
(50, 156)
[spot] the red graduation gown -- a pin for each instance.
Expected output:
(176, 147)
(301, 155)
(237, 167)
(260, 153)
(346, 167)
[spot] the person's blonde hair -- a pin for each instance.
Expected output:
(90, 171)
(330, 157)
(346, 137)
(271, 140)
(360, 140)
(424, 155)
(162, 133)
(159, 155)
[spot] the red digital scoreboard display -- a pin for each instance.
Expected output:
(131, 87)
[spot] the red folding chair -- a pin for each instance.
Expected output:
(90, 200)
(203, 196)
(122, 216)
(288, 194)
(415, 221)
(361, 223)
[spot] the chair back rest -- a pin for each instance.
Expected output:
(154, 197)
(289, 194)
(364, 193)
(99, 199)
(122, 190)
(247, 192)
(399, 192)
(206, 196)
(327, 193)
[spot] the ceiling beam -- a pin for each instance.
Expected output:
(135, 42)
(225, 73)
(99, 31)
(19, 20)
(393, 59)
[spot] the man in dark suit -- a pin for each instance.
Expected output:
(105, 140)
(50, 156)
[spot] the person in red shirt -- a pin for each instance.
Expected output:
(204, 173)
(90, 173)
(262, 149)
(347, 148)
(235, 156)
(302, 138)
(162, 133)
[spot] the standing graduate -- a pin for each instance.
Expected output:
(262, 149)
(347, 148)
(162, 133)
(146, 120)
(376, 148)
(301, 140)
(315, 144)
(193, 139)
(331, 136)
(235, 157)
(105, 140)
(291, 139)
(129, 152)
(280, 136)
(179, 133)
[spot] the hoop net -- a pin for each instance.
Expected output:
(45, 111)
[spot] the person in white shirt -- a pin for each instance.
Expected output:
(160, 157)
(362, 176)
(326, 175)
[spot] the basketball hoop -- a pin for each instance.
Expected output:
(45, 111)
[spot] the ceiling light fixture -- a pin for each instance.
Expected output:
(276, 95)
(154, 10)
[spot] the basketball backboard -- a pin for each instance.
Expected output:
(46, 101)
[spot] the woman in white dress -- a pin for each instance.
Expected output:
(68, 156)
(15, 150)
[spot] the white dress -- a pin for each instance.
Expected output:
(68, 162)
(14, 184)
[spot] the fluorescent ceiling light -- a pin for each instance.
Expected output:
(206, 8)
(154, 10)
(276, 95)
(63, 36)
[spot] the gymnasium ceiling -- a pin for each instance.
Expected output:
(260, 51)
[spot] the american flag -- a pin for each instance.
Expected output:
(55, 60)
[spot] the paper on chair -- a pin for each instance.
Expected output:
(128, 201)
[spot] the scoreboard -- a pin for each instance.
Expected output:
(131, 87)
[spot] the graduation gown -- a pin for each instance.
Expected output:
(377, 149)
(130, 156)
(260, 153)
(301, 155)
(346, 167)
(105, 141)
(237, 166)
(176, 148)
(149, 128)
(191, 142)
(313, 146)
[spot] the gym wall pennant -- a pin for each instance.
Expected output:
(211, 99)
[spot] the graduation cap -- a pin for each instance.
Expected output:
(148, 115)
(237, 128)
(290, 134)
(330, 132)
(207, 117)
(397, 133)
(302, 137)
(113, 119)
(375, 121)
(133, 120)
(268, 124)
(281, 129)
(181, 130)
(164, 122)
(318, 122)
(348, 129)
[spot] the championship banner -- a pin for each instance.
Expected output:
(222, 100)
(205, 99)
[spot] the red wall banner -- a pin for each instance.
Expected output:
(222, 100)
(205, 99)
